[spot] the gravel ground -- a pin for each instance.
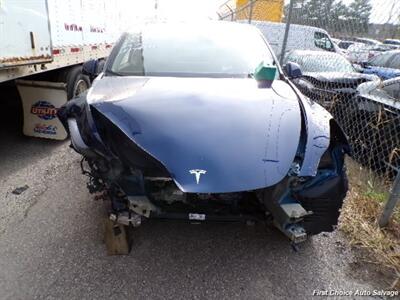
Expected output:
(51, 244)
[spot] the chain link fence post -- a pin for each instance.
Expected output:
(251, 10)
(285, 38)
(391, 202)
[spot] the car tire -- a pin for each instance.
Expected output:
(75, 80)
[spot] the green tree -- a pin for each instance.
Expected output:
(332, 15)
(319, 13)
(359, 14)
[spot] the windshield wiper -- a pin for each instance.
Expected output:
(109, 72)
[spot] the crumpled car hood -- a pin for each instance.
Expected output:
(240, 136)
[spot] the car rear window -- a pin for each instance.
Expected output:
(380, 60)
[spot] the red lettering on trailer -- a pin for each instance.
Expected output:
(97, 29)
(75, 49)
(72, 27)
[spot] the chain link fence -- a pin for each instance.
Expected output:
(349, 54)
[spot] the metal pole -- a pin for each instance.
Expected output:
(251, 10)
(285, 37)
(391, 203)
(230, 9)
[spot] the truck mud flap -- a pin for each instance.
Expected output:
(41, 101)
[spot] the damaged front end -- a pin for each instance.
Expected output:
(309, 205)
(306, 201)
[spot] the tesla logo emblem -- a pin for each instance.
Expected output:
(197, 173)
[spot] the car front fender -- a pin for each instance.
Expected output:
(317, 123)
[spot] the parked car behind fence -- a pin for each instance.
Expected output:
(367, 41)
(300, 37)
(325, 75)
(345, 44)
(392, 42)
(361, 53)
(385, 65)
(367, 108)
(371, 120)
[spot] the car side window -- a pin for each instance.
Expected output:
(380, 60)
(322, 40)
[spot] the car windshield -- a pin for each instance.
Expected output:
(325, 63)
(177, 50)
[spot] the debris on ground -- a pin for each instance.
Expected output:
(20, 190)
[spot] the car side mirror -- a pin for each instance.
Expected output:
(292, 70)
(90, 68)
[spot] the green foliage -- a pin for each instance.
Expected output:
(359, 13)
(332, 15)
(377, 196)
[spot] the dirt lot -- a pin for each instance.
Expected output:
(51, 243)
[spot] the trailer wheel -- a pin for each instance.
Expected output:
(75, 80)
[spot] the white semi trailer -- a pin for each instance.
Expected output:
(45, 42)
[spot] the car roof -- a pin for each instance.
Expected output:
(314, 53)
(201, 25)
(368, 40)
(292, 26)
(396, 51)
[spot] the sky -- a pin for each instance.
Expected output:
(175, 9)
(203, 9)
(380, 10)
